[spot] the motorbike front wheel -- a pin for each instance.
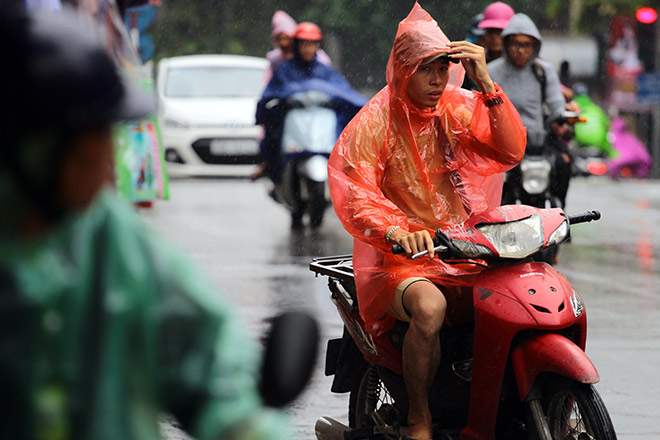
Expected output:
(576, 411)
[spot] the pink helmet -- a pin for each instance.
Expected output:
(282, 23)
(496, 16)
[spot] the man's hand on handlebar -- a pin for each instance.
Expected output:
(413, 242)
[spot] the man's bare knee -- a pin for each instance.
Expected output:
(427, 306)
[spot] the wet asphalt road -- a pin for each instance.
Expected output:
(243, 242)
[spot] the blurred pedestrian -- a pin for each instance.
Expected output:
(633, 158)
(102, 325)
(475, 36)
(495, 18)
(283, 30)
(594, 132)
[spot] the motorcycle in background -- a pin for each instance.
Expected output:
(626, 157)
(308, 137)
(517, 371)
(537, 180)
(302, 121)
(589, 161)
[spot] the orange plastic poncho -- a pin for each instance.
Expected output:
(396, 164)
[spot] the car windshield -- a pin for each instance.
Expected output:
(214, 82)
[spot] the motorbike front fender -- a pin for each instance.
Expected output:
(551, 353)
(314, 168)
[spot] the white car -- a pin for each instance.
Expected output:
(206, 111)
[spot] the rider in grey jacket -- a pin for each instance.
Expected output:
(534, 89)
(515, 73)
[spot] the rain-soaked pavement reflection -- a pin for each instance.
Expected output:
(243, 242)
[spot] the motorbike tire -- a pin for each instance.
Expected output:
(370, 403)
(316, 203)
(576, 411)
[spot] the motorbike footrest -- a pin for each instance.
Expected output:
(372, 433)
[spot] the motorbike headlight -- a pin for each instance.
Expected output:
(518, 239)
(175, 123)
(535, 175)
(472, 250)
(559, 234)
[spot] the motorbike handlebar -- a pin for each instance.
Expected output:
(584, 217)
(572, 219)
(397, 249)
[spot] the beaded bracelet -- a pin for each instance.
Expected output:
(389, 234)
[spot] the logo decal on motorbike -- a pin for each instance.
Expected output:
(531, 274)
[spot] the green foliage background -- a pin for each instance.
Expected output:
(362, 30)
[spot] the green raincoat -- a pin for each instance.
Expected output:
(103, 326)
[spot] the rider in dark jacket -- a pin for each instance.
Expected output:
(302, 73)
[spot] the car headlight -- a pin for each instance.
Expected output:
(518, 239)
(535, 175)
(175, 123)
(559, 234)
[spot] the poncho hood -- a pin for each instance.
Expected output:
(418, 37)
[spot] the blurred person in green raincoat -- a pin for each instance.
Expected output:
(593, 132)
(102, 325)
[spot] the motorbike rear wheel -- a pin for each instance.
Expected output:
(576, 411)
(370, 403)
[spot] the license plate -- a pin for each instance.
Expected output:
(228, 147)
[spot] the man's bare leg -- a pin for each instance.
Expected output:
(421, 353)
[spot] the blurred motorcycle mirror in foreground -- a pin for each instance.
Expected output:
(291, 347)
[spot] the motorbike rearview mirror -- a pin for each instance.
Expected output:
(290, 352)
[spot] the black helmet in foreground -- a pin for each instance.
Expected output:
(59, 74)
(58, 80)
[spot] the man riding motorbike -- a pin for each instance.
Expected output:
(422, 154)
(534, 89)
(103, 325)
(304, 73)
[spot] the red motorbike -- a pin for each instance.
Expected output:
(518, 370)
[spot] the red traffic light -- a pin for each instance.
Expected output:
(646, 15)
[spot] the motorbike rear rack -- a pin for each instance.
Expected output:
(338, 266)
